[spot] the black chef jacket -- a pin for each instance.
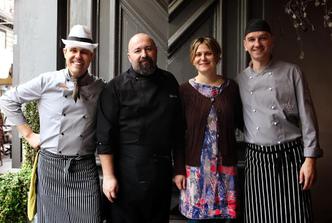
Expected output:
(140, 122)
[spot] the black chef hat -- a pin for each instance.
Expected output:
(256, 25)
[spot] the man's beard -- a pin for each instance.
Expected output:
(146, 68)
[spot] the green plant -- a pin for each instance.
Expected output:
(13, 196)
(31, 114)
(14, 187)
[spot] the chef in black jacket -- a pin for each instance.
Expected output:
(139, 127)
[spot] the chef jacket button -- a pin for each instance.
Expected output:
(62, 133)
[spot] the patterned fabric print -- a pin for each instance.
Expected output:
(210, 191)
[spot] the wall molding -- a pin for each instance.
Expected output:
(187, 27)
(174, 8)
(163, 4)
(143, 21)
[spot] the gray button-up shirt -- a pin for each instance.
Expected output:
(66, 127)
(277, 107)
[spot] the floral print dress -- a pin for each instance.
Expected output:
(211, 189)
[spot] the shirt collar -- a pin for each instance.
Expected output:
(69, 77)
(265, 70)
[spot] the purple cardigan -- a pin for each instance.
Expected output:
(196, 108)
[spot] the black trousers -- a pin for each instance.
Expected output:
(144, 191)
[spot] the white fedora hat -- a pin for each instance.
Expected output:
(81, 37)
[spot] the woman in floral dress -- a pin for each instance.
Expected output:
(212, 108)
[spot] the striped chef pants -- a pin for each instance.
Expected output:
(68, 189)
(272, 190)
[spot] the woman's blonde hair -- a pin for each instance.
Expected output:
(210, 42)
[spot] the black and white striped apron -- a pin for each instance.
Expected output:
(68, 189)
(272, 190)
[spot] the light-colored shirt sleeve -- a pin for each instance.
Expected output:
(11, 102)
(66, 127)
(307, 115)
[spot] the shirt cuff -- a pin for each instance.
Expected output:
(104, 148)
(15, 120)
(314, 152)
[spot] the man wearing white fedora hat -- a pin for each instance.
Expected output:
(68, 182)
